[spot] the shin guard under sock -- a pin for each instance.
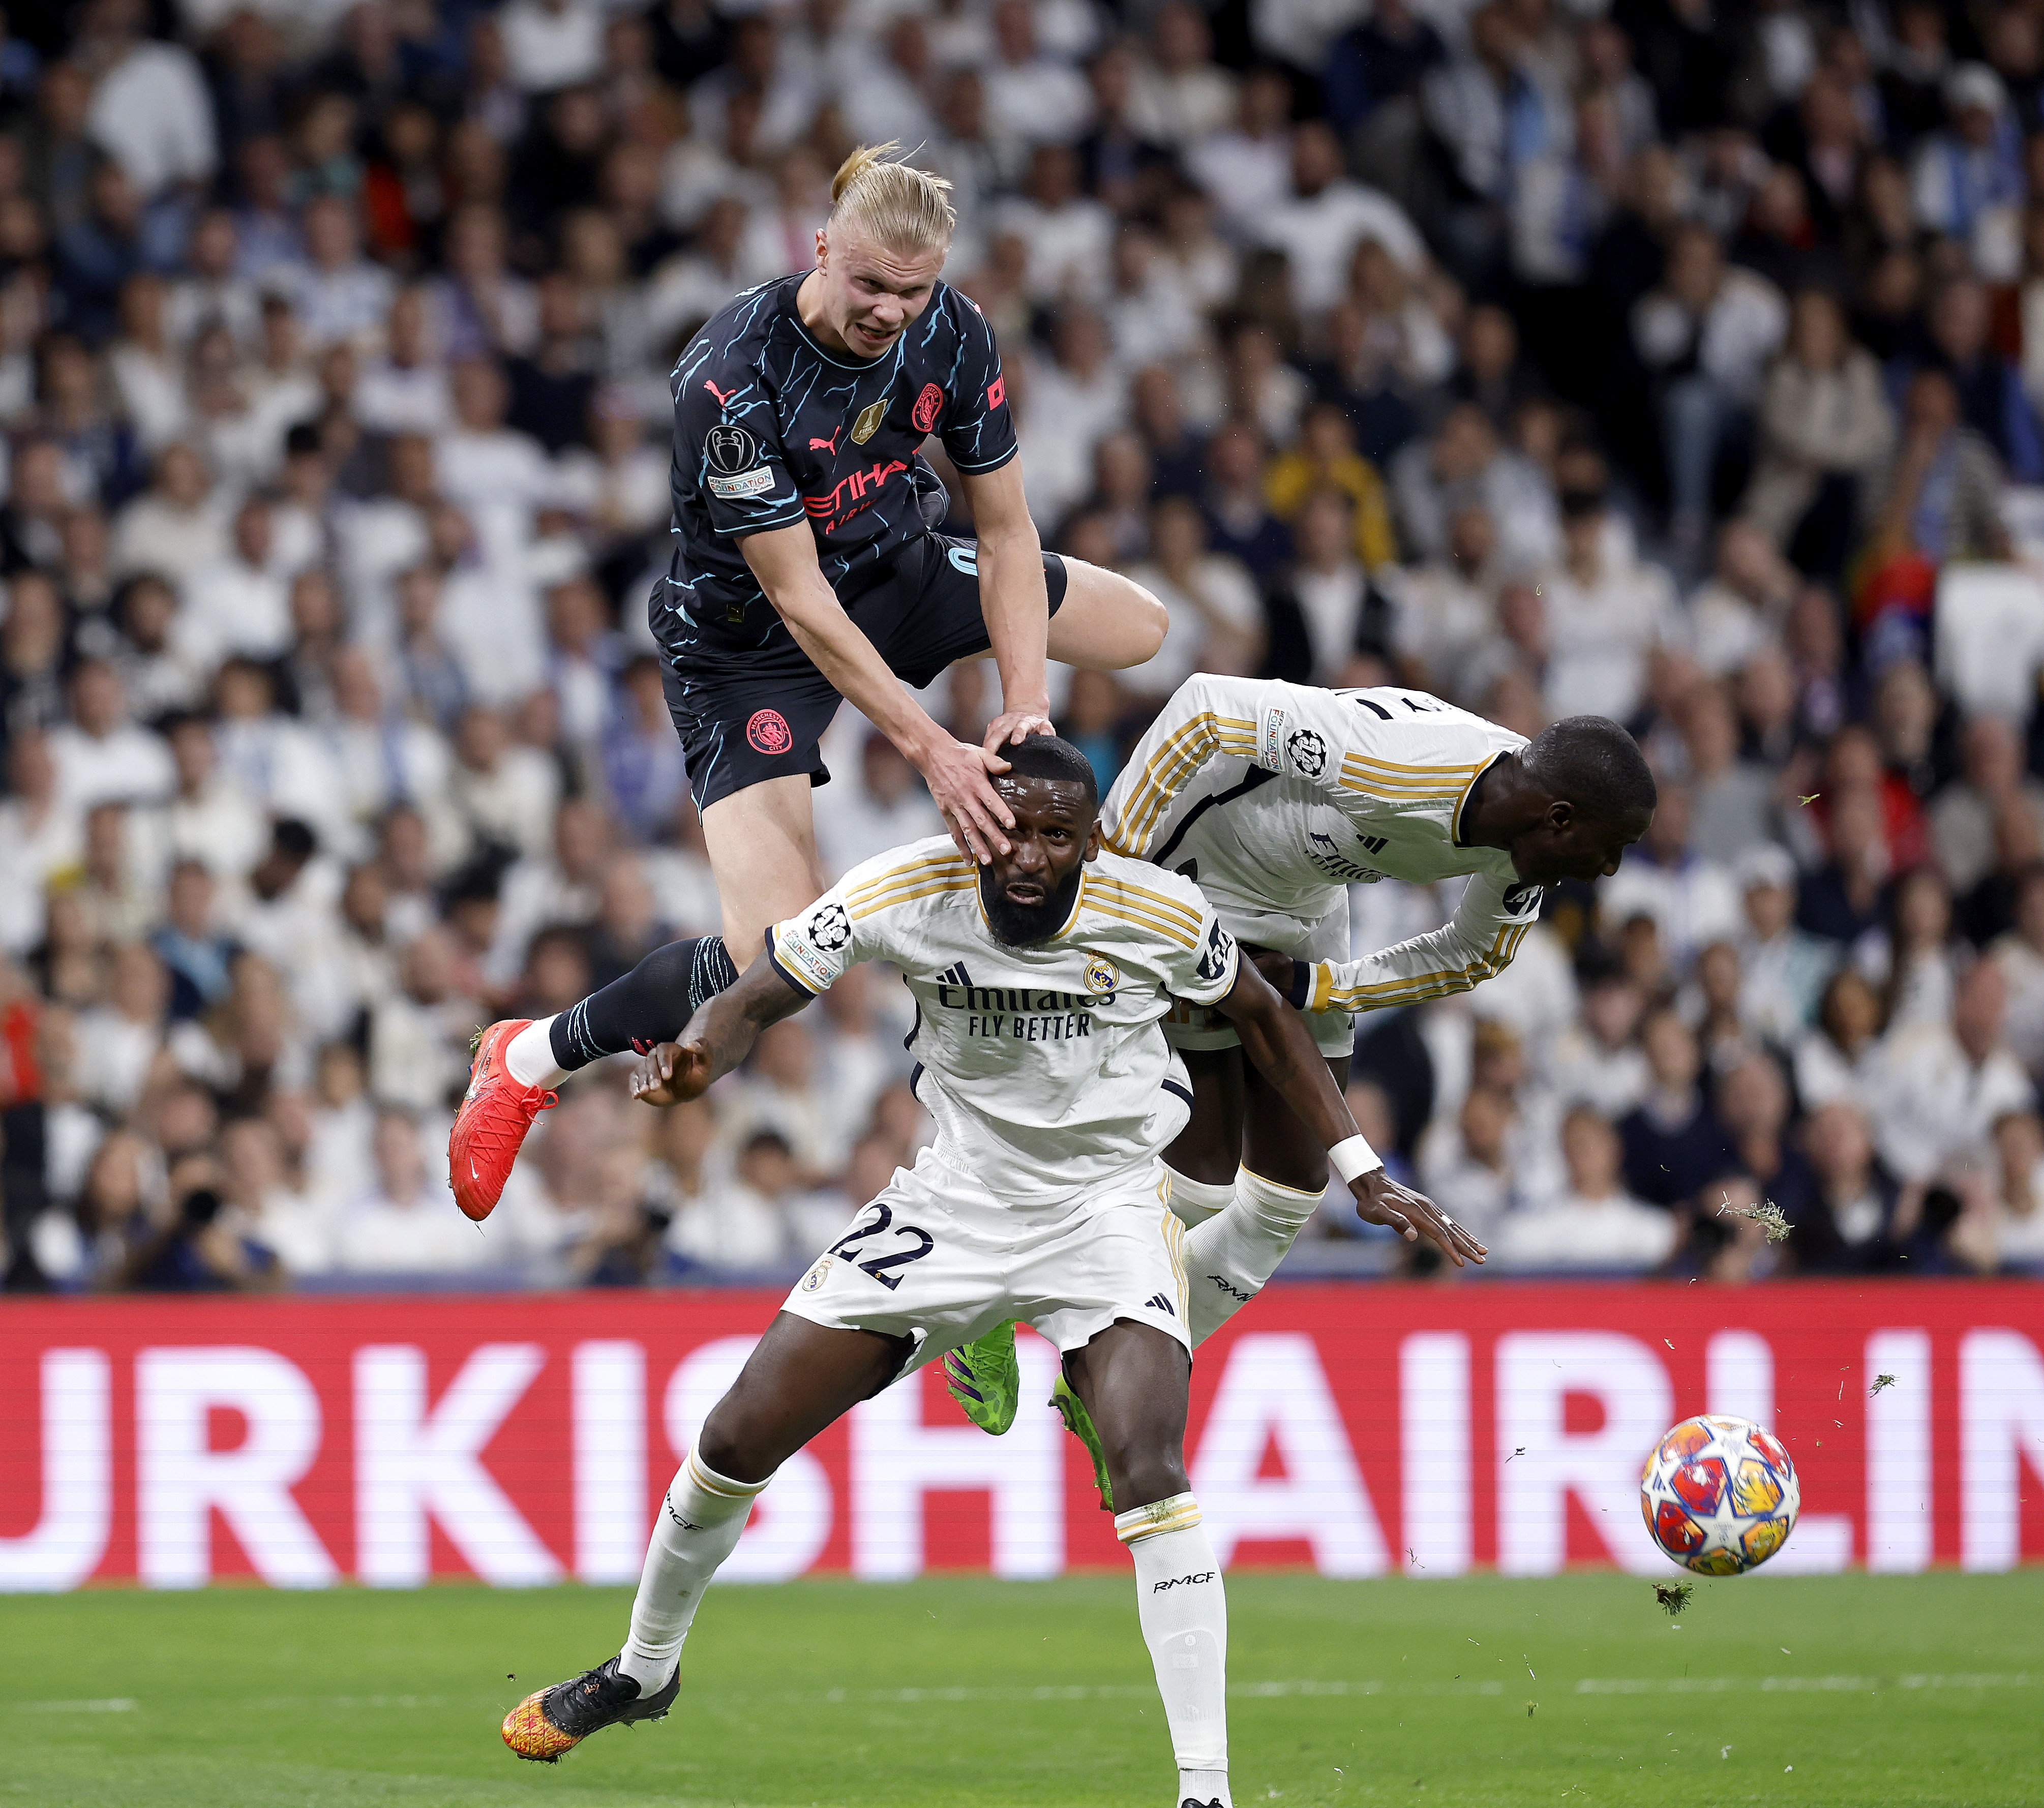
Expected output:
(651, 1004)
(1195, 1201)
(1229, 1258)
(1183, 1607)
(701, 1519)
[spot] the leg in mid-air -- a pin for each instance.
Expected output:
(1234, 1250)
(762, 850)
(1106, 623)
(1246, 1176)
(801, 1378)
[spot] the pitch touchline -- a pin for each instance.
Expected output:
(1718, 1685)
(1586, 1686)
(1131, 1691)
(111, 1704)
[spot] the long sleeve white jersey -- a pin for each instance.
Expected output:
(1044, 1066)
(1274, 798)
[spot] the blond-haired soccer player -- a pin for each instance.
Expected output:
(1275, 798)
(1041, 979)
(806, 571)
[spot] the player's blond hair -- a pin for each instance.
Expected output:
(892, 203)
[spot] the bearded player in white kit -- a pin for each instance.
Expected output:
(1275, 798)
(1041, 981)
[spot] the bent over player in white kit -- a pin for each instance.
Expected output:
(1274, 799)
(1041, 981)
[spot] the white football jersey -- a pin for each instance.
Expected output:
(1276, 798)
(1045, 1067)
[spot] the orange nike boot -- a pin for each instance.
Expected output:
(494, 1115)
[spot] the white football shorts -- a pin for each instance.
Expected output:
(1197, 1027)
(938, 1257)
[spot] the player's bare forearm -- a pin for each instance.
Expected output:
(784, 560)
(719, 1036)
(1013, 597)
(1278, 1043)
(1275, 1038)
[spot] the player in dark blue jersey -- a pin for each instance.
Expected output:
(806, 571)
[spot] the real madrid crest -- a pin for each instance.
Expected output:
(868, 422)
(817, 1274)
(1102, 976)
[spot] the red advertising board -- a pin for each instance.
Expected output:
(1358, 1430)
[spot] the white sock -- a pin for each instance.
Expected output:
(1228, 1258)
(1195, 1201)
(529, 1059)
(700, 1518)
(1183, 1611)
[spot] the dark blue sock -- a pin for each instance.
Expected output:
(651, 1004)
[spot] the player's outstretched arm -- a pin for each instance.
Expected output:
(1013, 600)
(784, 560)
(718, 1037)
(1477, 943)
(1276, 1038)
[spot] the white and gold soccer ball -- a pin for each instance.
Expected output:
(1720, 1495)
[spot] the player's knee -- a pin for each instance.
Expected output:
(1148, 621)
(1144, 1474)
(1204, 1159)
(723, 1447)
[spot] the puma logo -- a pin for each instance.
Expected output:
(723, 398)
(829, 445)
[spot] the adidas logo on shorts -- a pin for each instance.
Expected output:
(1162, 1304)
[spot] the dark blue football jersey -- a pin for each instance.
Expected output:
(772, 427)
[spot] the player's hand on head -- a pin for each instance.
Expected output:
(959, 777)
(1380, 1199)
(671, 1073)
(1012, 727)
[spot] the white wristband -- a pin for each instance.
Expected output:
(1353, 1155)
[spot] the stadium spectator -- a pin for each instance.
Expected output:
(1673, 1142)
(1595, 1223)
(333, 372)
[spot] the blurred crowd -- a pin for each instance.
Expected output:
(1668, 360)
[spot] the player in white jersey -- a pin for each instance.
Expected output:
(1041, 981)
(1275, 798)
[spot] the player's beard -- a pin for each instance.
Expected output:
(1020, 925)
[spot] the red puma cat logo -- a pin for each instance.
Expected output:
(724, 400)
(829, 445)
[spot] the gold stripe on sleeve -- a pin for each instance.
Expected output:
(953, 863)
(1189, 746)
(1164, 904)
(908, 892)
(1156, 925)
(1415, 988)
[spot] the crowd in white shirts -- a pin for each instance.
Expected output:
(1661, 361)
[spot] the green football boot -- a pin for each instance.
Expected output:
(985, 1380)
(1078, 1421)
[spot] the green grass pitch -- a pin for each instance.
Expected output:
(970, 1694)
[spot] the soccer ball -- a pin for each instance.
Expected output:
(1720, 1495)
